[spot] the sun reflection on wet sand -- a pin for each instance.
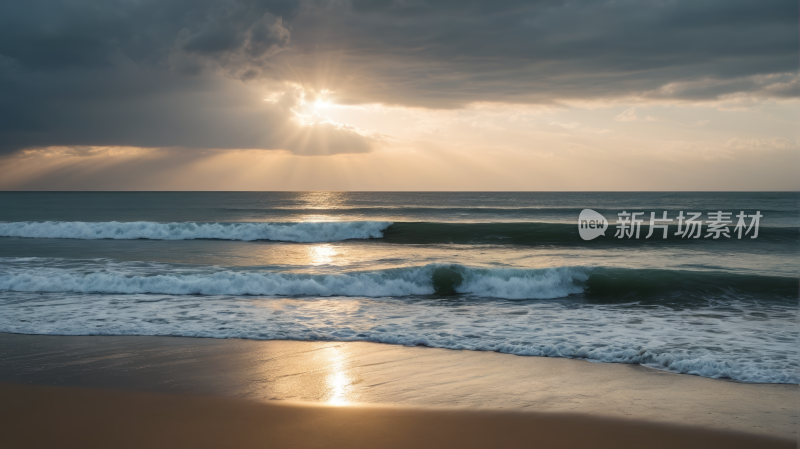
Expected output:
(320, 372)
(338, 380)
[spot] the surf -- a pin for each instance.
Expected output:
(304, 232)
(600, 284)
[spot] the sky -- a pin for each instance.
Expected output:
(399, 95)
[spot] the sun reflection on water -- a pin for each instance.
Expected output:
(322, 200)
(322, 254)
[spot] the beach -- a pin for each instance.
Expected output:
(326, 318)
(89, 418)
(344, 382)
(399, 224)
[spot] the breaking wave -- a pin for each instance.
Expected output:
(545, 283)
(520, 234)
(601, 284)
(162, 299)
(287, 232)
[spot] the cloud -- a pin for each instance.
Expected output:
(447, 54)
(153, 74)
(80, 152)
(775, 143)
(571, 125)
(737, 148)
(776, 85)
(629, 115)
(193, 73)
(109, 109)
(596, 130)
(682, 150)
(241, 48)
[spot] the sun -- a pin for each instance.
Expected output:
(323, 100)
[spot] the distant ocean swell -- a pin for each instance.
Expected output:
(522, 234)
(609, 284)
(558, 234)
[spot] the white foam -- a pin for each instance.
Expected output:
(524, 284)
(221, 283)
(733, 347)
(717, 340)
(499, 283)
(288, 232)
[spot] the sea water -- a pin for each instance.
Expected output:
(503, 272)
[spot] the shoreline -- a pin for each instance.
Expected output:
(359, 373)
(421, 346)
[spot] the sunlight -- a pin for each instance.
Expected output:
(338, 380)
(323, 101)
(322, 254)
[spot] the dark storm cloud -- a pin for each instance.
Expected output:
(447, 53)
(150, 74)
(52, 34)
(130, 107)
(165, 73)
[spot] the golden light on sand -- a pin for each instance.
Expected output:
(338, 380)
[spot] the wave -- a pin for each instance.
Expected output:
(601, 284)
(557, 234)
(570, 212)
(566, 211)
(697, 362)
(287, 232)
(740, 326)
(679, 286)
(520, 234)
(426, 280)
(749, 342)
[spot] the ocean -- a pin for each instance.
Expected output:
(506, 272)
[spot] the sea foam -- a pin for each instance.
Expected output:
(734, 347)
(288, 232)
(492, 283)
(497, 311)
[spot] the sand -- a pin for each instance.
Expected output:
(38, 416)
(356, 373)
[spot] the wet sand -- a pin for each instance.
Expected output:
(367, 373)
(39, 416)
